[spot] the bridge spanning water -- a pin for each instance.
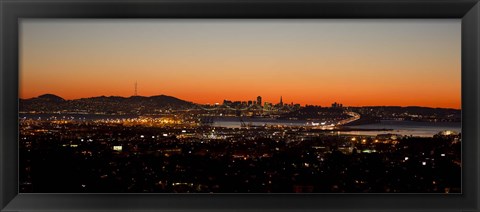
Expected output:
(354, 117)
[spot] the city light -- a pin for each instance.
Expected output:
(252, 145)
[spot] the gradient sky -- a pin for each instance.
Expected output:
(354, 62)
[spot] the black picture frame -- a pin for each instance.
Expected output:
(12, 11)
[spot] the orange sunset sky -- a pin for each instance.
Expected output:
(354, 62)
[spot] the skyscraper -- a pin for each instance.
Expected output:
(259, 100)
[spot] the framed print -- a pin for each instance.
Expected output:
(239, 105)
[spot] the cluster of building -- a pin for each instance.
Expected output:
(258, 102)
(108, 157)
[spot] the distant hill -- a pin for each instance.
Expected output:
(50, 97)
(141, 105)
(316, 113)
(104, 104)
(373, 114)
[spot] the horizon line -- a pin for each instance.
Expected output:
(434, 107)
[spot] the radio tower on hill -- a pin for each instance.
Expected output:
(135, 94)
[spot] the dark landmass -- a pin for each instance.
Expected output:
(161, 104)
(316, 113)
(49, 103)
(373, 114)
(49, 98)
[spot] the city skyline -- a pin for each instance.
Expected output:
(315, 62)
(247, 100)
